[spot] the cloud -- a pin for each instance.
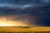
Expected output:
(37, 12)
(44, 22)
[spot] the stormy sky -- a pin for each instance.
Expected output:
(25, 12)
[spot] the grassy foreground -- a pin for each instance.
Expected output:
(24, 29)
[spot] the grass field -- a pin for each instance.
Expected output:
(24, 29)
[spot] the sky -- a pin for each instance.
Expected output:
(25, 13)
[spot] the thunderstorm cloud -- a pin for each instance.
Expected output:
(34, 12)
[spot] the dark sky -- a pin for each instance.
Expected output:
(31, 12)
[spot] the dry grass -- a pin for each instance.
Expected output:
(25, 30)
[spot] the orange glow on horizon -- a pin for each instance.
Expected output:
(7, 23)
(4, 22)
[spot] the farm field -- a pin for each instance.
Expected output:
(24, 29)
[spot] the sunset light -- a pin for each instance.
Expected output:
(7, 23)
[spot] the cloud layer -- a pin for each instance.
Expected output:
(37, 12)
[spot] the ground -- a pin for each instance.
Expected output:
(24, 29)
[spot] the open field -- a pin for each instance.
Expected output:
(24, 29)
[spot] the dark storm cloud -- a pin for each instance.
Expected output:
(44, 22)
(38, 11)
(25, 1)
